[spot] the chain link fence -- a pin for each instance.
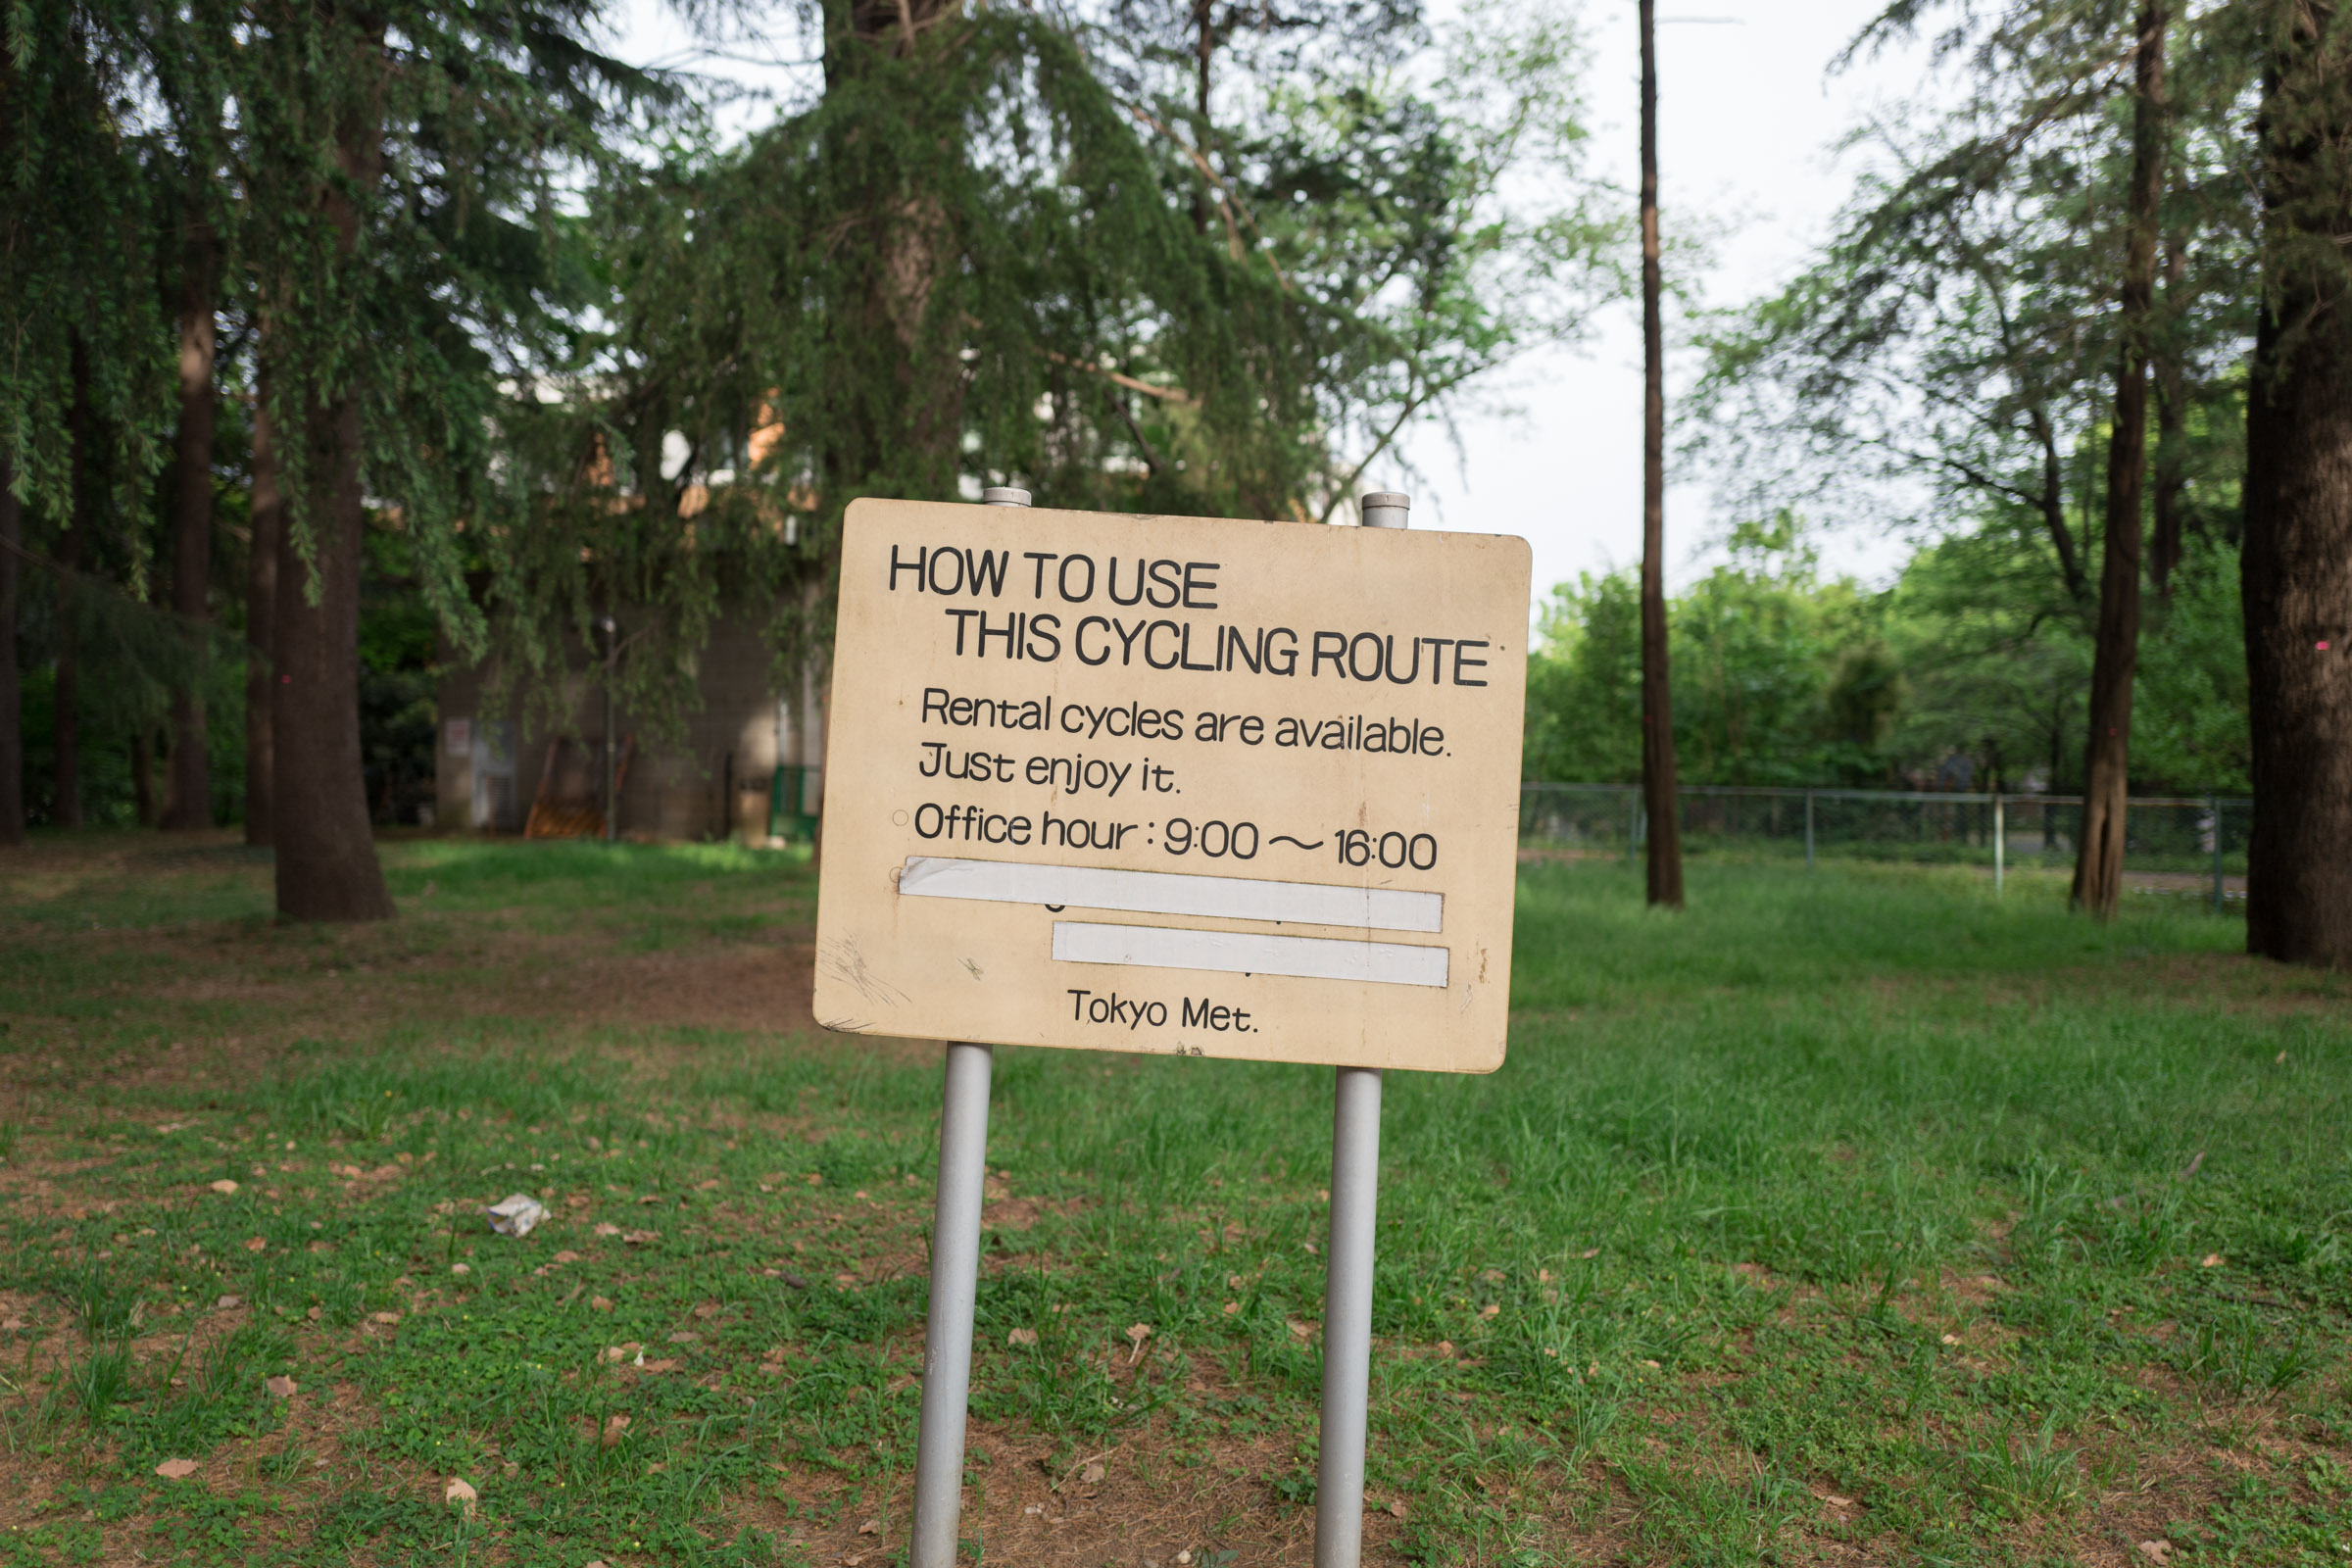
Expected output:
(2195, 845)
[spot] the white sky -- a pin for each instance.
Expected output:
(1748, 121)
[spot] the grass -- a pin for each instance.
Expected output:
(1850, 1217)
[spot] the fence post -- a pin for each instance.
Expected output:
(2213, 805)
(2000, 843)
(1808, 830)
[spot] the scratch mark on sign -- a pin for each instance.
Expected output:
(843, 1026)
(845, 964)
(973, 966)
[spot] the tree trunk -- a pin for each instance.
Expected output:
(260, 620)
(142, 776)
(1201, 51)
(191, 529)
(2170, 479)
(2296, 561)
(12, 713)
(2099, 858)
(191, 789)
(327, 864)
(66, 725)
(1659, 794)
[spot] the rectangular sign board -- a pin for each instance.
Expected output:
(1173, 784)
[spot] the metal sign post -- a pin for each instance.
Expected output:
(954, 1279)
(1348, 1277)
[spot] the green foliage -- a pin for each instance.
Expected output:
(1782, 679)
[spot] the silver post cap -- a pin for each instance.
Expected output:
(1383, 509)
(1003, 495)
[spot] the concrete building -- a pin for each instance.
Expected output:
(751, 767)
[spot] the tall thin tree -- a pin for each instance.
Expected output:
(2296, 565)
(12, 734)
(1659, 796)
(327, 864)
(190, 802)
(260, 621)
(2099, 854)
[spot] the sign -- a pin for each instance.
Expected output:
(461, 736)
(1173, 784)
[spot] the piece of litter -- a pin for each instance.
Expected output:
(1021, 1337)
(225, 1187)
(282, 1387)
(1652, 1365)
(176, 1469)
(2212, 1261)
(1952, 1338)
(228, 1302)
(1093, 1474)
(461, 1493)
(516, 1215)
(1185, 1556)
(461, 1268)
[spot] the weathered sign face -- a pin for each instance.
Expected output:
(1173, 784)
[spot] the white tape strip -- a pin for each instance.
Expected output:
(1249, 953)
(1231, 898)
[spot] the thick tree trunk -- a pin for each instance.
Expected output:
(327, 864)
(191, 789)
(12, 713)
(66, 724)
(2296, 561)
(2099, 858)
(260, 621)
(1659, 793)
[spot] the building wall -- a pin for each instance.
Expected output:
(717, 785)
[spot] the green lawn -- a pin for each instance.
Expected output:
(1857, 1217)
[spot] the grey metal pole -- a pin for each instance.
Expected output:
(2000, 844)
(1348, 1281)
(1808, 830)
(948, 1331)
(955, 1278)
(1348, 1319)
(2213, 805)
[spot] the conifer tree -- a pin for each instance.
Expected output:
(2297, 562)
